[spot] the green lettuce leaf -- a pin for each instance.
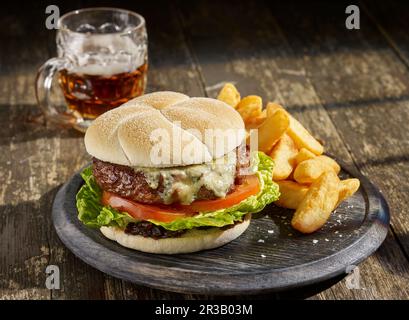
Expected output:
(90, 210)
(93, 214)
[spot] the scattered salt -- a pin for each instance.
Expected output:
(314, 241)
(336, 232)
(260, 240)
(263, 256)
(326, 239)
(270, 231)
(339, 221)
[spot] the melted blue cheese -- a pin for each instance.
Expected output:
(183, 183)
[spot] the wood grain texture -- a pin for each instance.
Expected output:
(338, 84)
(36, 160)
(362, 84)
(277, 70)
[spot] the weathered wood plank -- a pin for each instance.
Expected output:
(362, 84)
(365, 92)
(271, 56)
(249, 47)
(34, 162)
(390, 17)
(23, 238)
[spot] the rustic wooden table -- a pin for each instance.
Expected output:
(349, 87)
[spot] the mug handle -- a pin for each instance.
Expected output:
(44, 80)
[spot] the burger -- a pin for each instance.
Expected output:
(172, 174)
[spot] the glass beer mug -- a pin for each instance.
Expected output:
(101, 64)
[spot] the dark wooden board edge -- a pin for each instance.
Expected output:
(174, 279)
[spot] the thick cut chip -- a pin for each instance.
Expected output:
(283, 154)
(318, 203)
(229, 94)
(291, 194)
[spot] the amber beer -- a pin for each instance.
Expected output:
(102, 56)
(93, 94)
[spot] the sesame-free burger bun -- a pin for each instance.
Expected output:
(192, 241)
(196, 126)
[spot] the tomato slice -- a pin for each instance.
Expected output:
(141, 211)
(164, 213)
(249, 187)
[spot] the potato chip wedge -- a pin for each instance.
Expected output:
(291, 194)
(250, 107)
(229, 94)
(317, 205)
(303, 155)
(330, 162)
(272, 107)
(283, 154)
(257, 121)
(348, 188)
(302, 138)
(300, 135)
(309, 170)
(272, 129)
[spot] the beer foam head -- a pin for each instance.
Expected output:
(103, 54)
(98, 69)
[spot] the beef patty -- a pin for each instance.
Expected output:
(138, 185)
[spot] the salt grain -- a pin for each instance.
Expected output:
(270, 231)
(326, 239)
(314, 241)
(263, 256)
(260, 240)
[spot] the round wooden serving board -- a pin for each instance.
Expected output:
(269, 256)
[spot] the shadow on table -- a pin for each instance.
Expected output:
(301, 293)
(22, 123)
(140, 292)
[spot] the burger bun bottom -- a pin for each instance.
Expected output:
(191, 241)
